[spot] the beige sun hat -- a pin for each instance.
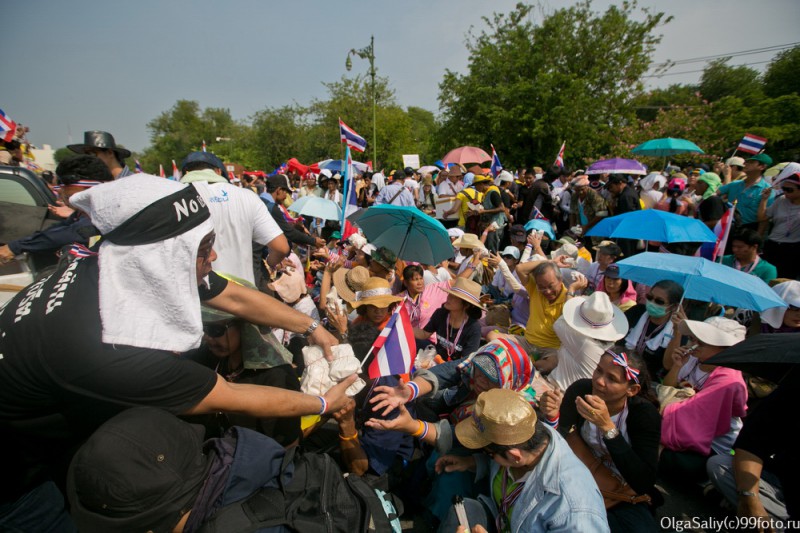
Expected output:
(290, 286)
(501, 416)
(467, 290)
(715, 331)
(377, 292)
(468, 240)
(596, 317)
(350, 280)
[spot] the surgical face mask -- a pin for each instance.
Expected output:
(655, 310)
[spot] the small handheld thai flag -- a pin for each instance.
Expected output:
(204, 145)
(396, 346)
(138, 167)
(560, 157)
(353, 139)
(751, 144)
(496, 166)
(8, 128)
(537, 215)
(161, 171)
(176, 174)
(723, 231)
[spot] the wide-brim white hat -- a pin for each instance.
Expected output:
(715, 331)
(596, 317)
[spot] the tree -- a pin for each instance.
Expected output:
(781, 75)
(62, 154)
(529, 86)
(720, 79)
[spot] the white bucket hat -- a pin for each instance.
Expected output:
(596, 317)
(715, 331)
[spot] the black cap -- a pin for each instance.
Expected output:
(141, 470)
(399, 175)
(409, 172)
(278, 181)
(612, 271)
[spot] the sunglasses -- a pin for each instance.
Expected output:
(657, 301)
(216, 330)
(789, 189)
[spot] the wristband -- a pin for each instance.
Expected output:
(324, 405)
(552, 422)
(420, 430)
(426, 427)
(314, 325)
(414, 390)
(354, 437)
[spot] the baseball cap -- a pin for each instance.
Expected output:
(764, 159)
(204, 157)
(513, 251)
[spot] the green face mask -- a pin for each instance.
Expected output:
(655, 310)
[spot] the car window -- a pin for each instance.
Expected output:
(14, 192)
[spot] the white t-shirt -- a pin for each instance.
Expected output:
(442, 274)
(785, 217)
(448, 188)
(577, 357)
(239, 217)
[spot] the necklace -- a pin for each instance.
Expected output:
(451, 347)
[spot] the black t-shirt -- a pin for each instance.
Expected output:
(59, 381)
(627, 201)
(450, 344)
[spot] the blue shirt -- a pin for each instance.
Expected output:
(387, 193)
(747, 198)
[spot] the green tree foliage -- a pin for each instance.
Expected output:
(720, 79)
(571, 77)
(782, 76)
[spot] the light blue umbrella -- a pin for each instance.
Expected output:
(543, 225)
(653, 225)
(701, 280)
(666, 147)
(337, 165)
(314, 206)
(408, 232)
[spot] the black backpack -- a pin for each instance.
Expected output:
(319, 498)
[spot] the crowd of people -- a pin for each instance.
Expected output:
(163, 371)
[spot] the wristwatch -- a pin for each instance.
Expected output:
(572, 294)
(611, 434)
(745, 493)
(314, 325)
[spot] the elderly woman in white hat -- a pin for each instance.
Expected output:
(587, 328)
(472, 248)
(708, 422)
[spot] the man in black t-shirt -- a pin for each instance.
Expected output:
(626, 201)
(100, 335)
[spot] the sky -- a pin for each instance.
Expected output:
(80, 65)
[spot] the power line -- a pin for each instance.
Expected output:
(774, 48)
(701, 70)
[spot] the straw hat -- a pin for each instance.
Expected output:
(596, 317)
(377, 292)
(716, 331)
(468, 240)
(467, 290)
(501, 416)
(348, 281)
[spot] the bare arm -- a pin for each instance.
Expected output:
(278, 250)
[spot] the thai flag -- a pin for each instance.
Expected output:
(537, 215)
(204, 145)
(560, 157)
(349, 204)
(396, 346)
(176, 174)
(751, 144)
(283, 168)
(8, 128)
(161, 171)
(723, 231)
(138, 167)
(496, 166)
(353, 139)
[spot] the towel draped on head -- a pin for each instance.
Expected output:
(152, 229)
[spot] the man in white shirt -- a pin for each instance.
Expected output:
(240, 218)
(452, 184)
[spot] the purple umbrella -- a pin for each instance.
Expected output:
(617, 165)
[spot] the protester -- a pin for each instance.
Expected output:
(782, 247)
(615, 420)
(101, 145)
(587, 207)
(536, 482)
(625, 201)
(783, 319)
(275, 196)
(607, 253)
(747, 192)
(746, 245)
(620, 291)
(675, 189)
(419, 299)
(708, 422)
(396, 193)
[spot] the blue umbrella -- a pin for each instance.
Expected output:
(701, 280)
(653, 225)
(543, 225)
(337, 165)
(666, 147)
(314, 206)
(408, 232)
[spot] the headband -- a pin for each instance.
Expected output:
(621, 359)
(168, 217)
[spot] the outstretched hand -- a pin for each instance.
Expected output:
(390, 398)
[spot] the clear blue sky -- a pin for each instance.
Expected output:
(115, 65)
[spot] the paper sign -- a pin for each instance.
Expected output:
(446, 204)
(411, 160)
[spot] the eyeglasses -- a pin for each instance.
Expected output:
(657, 301)
(789, 189)
(216, 330)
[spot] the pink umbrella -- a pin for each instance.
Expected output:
(466, 154)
